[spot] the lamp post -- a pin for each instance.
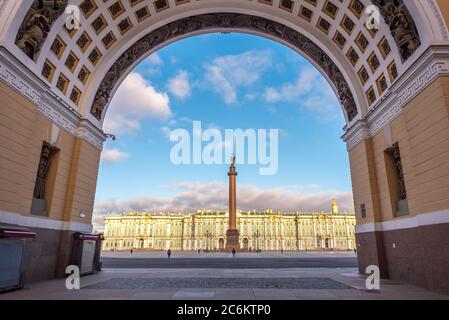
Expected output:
(207, 234)
(256, 236)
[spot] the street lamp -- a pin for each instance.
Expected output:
(207, 234)
(110, 136)
(256, 236)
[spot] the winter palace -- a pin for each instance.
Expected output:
(206, 230)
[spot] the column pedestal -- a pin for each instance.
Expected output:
(232, 240)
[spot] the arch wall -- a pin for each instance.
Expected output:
(399, 100)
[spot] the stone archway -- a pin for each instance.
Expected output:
(276, 20)
(56, 85)
(223, 21)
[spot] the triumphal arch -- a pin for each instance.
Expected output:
(61, 61)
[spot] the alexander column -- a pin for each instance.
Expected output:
(232, 235)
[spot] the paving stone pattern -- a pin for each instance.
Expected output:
(261, 283)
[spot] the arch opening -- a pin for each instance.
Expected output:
(255, 238)
(206, 22)
(355, 94)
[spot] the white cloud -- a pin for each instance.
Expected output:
(155, 59)
(326, 101)
(227, 73)
(120, 123)
(311, 91)
(113, 156)
(214, 195)
(221, 84)
(166, 131)
(290, 91)
(151, 66)
(250, 96)
(173, 60)
(179, 86)
(134, 101)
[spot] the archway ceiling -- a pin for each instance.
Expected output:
(221, 20)
(70, 65)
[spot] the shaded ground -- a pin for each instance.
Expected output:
(259, 284)
(218, 276)
(211, 283)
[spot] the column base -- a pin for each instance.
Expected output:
(232, 240)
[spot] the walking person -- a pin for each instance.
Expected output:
(132, 250)
(233, 252)
(169, 254)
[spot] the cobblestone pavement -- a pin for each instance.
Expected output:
(224, 260)
(230, 263)
(259, 283)
(136, 284)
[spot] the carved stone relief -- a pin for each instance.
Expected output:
(400, 173)
(42, 171)
(222, 20)
(2, 4)
(37, 24)
(401, 24)
(39, 202)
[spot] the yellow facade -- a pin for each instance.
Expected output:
(71, 181)
(206, 230)
(422, 132)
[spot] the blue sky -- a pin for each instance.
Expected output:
(226, 81)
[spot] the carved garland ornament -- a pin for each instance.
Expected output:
(222, 20)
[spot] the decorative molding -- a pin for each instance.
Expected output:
(212, 21)
(89, 132)
(441, 22)
(359, 131)
(44, 223)
(20, 78)
(13, 77)
(421, 220)
(433, 63)
(62, 117)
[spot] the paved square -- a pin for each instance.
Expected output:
(204, 282)
(223, 284)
